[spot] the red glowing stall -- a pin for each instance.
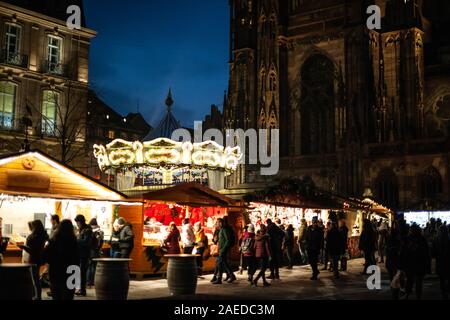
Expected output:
(190, 200)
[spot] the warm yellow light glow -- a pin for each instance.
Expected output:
(163, 151)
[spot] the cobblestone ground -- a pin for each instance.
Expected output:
(294, 285)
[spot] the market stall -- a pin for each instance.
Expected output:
(191, 200)
(34, 186)
(293, 200)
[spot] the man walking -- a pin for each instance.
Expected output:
(314, 243)
(225, 244)
(276, 236)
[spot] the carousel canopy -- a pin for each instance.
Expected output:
(167, 125)
(191, 194)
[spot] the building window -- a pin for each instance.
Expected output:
(50, 102)
(12, 42)
(54, 54)
(111, 134)
(8, 92)
(387, 189)
(317, 103)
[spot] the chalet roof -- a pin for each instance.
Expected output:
(192, 194)
(83, 187)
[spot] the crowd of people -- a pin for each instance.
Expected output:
(67, 246)
(408, 252)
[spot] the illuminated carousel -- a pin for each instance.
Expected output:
(159, 162)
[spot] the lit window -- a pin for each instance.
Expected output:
(54, 55)
(111, 134)
(7, 104)
(50, 101)
(12, 42)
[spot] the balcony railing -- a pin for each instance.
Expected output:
(54, 68)
(11, 123)
(14, 59)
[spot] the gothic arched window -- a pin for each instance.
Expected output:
(387, 190)
(317, 105)
(430, 184)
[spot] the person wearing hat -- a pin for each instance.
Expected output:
(314, 243)
(84, 240)
(126, 238)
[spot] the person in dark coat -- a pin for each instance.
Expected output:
(262, 255)
(172, 241)
(276, 236)
(34, 246)
(225, 245)
(441, 251)
(126, 238)
(367, 244)
(314, 244)
(334, 247)
(61, 253)
(96, 251)
(85, 241)
(393, 246)
(216, 243)
(289, 241)
(344, 238)
(415, 260)
(325, 254)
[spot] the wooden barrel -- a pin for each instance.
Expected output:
(182, 274)
(16, 282)
(112, 279)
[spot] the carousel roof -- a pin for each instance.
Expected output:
(167, 125)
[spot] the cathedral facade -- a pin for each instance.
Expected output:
(357, 109)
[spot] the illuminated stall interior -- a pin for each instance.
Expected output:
(161, 207)
(34, 186)
(296, 199)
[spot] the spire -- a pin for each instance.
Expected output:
(169, 100)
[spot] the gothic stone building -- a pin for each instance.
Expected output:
(43, 79)
(356, 108)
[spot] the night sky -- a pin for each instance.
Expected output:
(143, 47)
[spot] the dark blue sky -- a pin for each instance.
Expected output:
(143, 47)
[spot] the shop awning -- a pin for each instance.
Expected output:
(36, 174)
(302, 193)
(191, 194)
